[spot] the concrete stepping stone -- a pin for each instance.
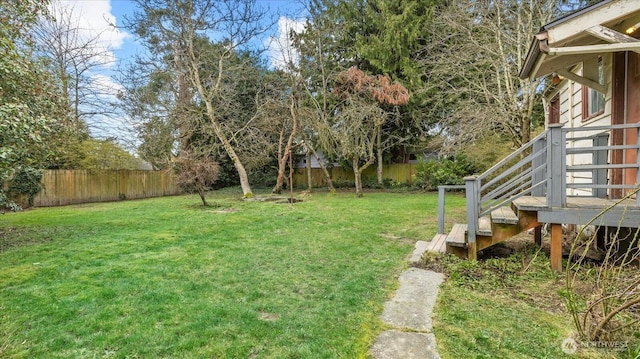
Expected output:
(409, 313)
(412, 305)
(394, 344)
(420, 248)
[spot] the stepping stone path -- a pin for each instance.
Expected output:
(409, 313)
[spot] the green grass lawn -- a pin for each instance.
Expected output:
(168, 278)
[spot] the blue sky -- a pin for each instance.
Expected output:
(95, 16)
(277, 8)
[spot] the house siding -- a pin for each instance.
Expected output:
(570, 95)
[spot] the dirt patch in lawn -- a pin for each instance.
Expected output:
(403, 240)
(15, 237)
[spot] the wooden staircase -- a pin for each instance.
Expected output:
(501, 224)
(531, 185)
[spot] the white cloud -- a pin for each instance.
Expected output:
(106, 85)
(280, 49)
(93, 20)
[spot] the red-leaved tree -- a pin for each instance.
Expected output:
(365, 101)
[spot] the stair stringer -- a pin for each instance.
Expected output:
(501, 232)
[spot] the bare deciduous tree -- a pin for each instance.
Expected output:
(196, 173)
(319, 65)
(76, 56)
(149, 101)
(285, 102)
(474, 57)
(207, 37)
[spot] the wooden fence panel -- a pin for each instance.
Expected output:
(397, 173)
(63, 187)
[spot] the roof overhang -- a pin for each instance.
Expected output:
(604, 27)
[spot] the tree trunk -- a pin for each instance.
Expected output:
(357, 171)
(379, 152)
(281, 165)
(217, 128)
(358, 177)
(324, 170)
(182, 103)
(242, 174)
(231, 152)
(309, 178)
(202, 195)
(284, 157)
(526, 122)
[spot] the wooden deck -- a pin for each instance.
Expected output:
(584, 210)
(530, 203)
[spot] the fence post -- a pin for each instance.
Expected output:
(600, 157)
(441, 190)
(556, 166)
(537, 177)
(472, 188)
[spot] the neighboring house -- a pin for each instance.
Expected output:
(302, 163)
(588, 157)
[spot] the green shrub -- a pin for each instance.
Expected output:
(373, 183)
(343, 183)
(447, 171)
(266, 176)
(25, 182)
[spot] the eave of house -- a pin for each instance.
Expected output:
(582, 36)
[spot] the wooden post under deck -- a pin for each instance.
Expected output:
(537, 235)
(472, 254)
(556, 247)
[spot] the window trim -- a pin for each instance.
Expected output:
(585, 104)
(586, 96)
(554, 109)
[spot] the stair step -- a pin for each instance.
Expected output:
(530, 203)
(437, 244)
(458, 236)
(504, 215)
(484, 226)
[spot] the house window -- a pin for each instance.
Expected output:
(595, 103)
(592, 100)
(554, 109)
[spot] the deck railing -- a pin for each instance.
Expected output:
(592, 169)
(540, 168)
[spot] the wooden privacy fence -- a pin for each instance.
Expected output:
(62, 187)
(396, 173)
